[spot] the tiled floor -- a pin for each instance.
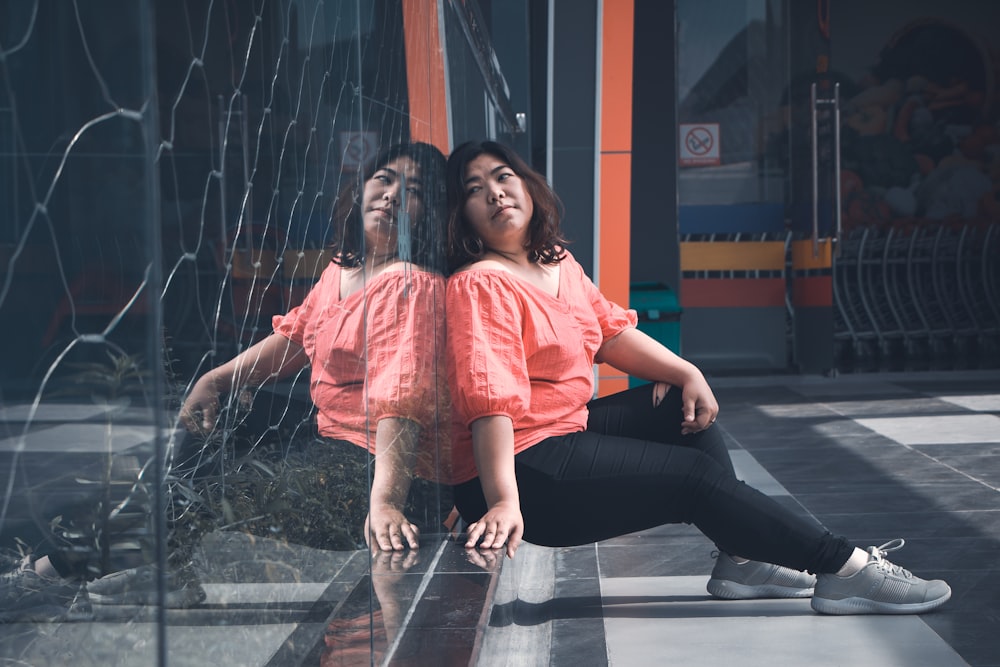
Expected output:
(271, 604)
(268, 602)
(873, 457)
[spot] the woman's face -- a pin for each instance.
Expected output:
(497, 205)
(383, 202)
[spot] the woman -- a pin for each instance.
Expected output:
(535, 458)
(372, 331)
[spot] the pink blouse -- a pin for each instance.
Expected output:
(517, 351)
(376, 354)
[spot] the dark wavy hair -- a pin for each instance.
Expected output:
(545, 242)
(427, 236)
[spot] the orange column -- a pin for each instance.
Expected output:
(425, 74)
(615, 185)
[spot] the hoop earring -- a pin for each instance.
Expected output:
(478, 242)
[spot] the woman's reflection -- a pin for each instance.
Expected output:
(371, 330)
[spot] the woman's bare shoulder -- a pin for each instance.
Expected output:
(481, 265)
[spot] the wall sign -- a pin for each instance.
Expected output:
(699, 144)
(356, 148)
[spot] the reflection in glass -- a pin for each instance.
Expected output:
(149, 237)
(726, 79)
(368, 332)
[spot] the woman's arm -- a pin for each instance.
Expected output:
(395, 447)
(273, 358)
(635, 353)
(493, 448)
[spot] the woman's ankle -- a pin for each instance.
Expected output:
(854, 564)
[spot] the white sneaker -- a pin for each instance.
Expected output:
(754, 580)
(880, 587)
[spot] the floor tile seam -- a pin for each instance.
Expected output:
(790, 438)
(860, 486)
(932, 513)
(597, 561)
(503, 581)
(654, 576)
(600, 591)
(844, 381)
(791, 496)
(424, 583)
(823, 485)
(619, 549)
(912, 401)
(597, 643)
(890, 443)
(865, 501)
(939, 462)
(928, 490)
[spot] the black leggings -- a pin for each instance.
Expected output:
(632, 470)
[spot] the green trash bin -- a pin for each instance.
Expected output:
(659, 315)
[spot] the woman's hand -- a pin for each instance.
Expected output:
(273, 358)
(201, 407)
(387, 529)
(493, 448)
(501, 524)
(635, 353)
(487, 559)
(699, 405)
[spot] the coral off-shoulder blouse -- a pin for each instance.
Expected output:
(517, 351)
(387, 340)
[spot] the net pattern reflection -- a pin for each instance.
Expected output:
(169, 173)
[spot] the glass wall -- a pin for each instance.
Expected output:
(863, 144)
(732, 92)
(222, 279)
(83, 391)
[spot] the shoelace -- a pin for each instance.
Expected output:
(878, 553)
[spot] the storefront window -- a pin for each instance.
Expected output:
(732, 97)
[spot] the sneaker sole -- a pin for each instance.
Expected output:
(730, 590)
(865, 606)
(181, 599)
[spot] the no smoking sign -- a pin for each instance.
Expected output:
(356, 148)
(699, 144)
